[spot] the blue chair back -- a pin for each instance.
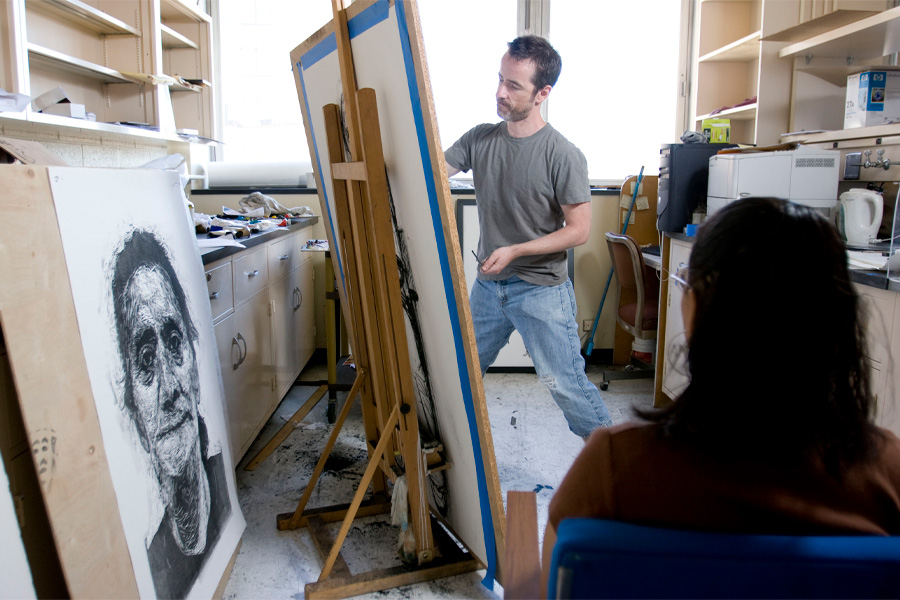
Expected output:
(594, 558)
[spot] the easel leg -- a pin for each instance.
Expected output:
(386, 436)
(320, 466)
(286, 429)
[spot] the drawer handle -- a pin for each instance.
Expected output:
(253, 273)
(298, 298)
(283, 257)
(214, 296)
(242, 353)
(235, 365)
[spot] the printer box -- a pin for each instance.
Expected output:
(717, 131)
(873, 98)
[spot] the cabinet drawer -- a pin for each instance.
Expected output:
(250, 275)
(218, 284)
(283, 258)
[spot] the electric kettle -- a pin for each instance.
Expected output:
(860, 216)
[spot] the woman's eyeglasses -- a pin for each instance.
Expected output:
(680, 278)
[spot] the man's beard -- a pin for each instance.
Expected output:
(512, 114)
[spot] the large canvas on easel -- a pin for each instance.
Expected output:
(137, 479)
(388, 58)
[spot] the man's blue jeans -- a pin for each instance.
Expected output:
(545, 318)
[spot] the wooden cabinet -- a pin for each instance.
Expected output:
(736, 74)
(254, 377)
(124, 60)
(293, 310)
(674, 367)
(881, 312)
(262, 302)
(848, 40)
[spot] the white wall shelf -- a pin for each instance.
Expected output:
(839, 135)
(86, 16)
(745, 49)
(739, 113)
(819, 25)
(171, 39)
(872, 37)
(175, 10)
(51, 59)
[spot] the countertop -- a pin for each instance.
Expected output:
(871, 278)
(211, 255)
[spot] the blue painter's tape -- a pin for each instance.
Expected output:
(358, 25)
(319, 51)
(368, 18)
(418, 115)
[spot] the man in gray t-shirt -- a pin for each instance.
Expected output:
(533, 199)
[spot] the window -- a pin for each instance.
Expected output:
(616, 97)
(463, 55)
(261, 117)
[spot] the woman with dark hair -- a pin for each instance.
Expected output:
(743, 450)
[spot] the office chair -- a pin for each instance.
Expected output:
(637, 306)
(595, 558)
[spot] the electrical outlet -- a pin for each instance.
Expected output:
(588, 323)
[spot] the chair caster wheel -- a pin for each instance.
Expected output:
(629, 367)
(332, 408)
(604, 386)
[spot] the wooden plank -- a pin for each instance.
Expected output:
(522, 563)
(330, 514)
(34, 290)
(324, 543)
(660, 398)
(383, 579)
(286, 429)
(355, 171)
(223, 582)
(392, 313)
(357, 290)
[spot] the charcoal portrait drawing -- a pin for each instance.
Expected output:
(158, 346)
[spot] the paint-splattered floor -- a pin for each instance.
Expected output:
(533, 449)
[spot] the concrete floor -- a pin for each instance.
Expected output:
(533, 449)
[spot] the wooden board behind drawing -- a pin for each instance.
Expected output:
(37, 314)
(111, 403)
(388, 57)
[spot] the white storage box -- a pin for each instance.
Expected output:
(66, 109)
(873, 98)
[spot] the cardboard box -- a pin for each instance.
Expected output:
(873, 98)
(717, 131)
(66, 109)
(50, 98)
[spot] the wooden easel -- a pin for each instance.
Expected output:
(377, 329)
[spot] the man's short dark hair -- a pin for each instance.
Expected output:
(547, 61)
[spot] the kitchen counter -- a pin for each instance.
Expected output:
(211, 255)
